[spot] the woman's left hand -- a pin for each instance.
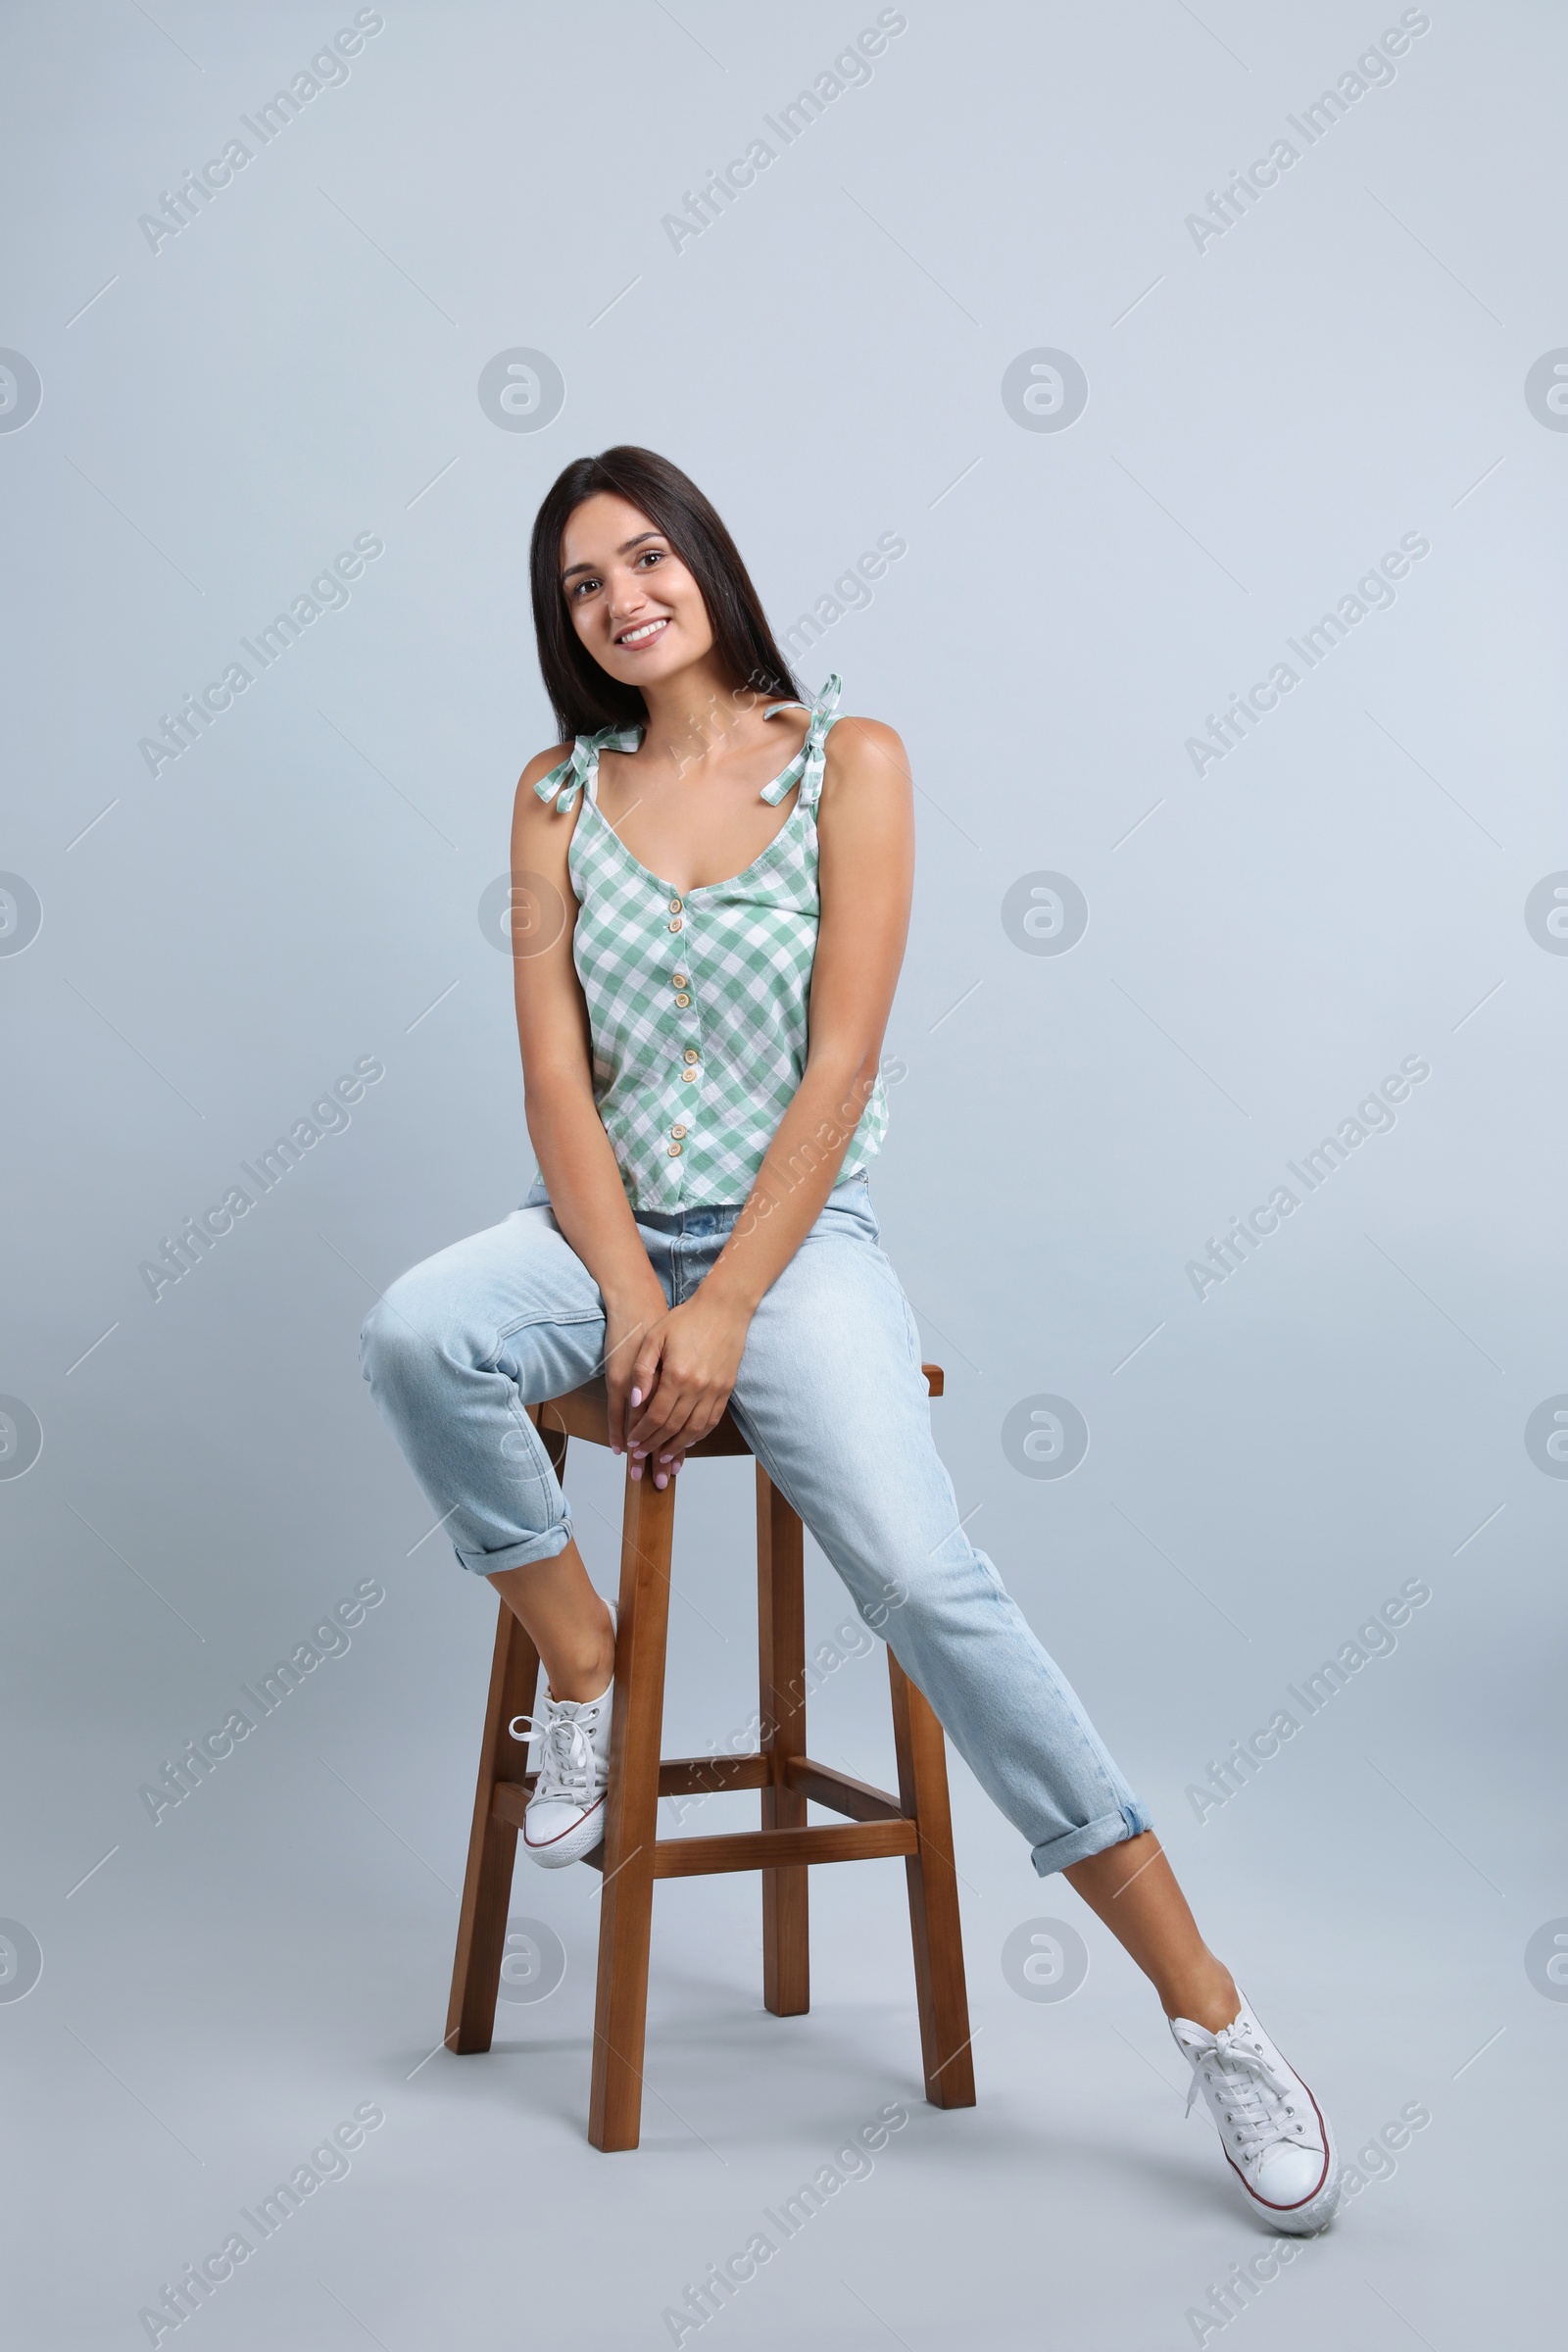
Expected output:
(683, 1379)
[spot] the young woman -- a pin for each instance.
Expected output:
(711, 885)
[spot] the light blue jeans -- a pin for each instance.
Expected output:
(831, 1399)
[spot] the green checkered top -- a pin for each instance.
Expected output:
(697, 1001)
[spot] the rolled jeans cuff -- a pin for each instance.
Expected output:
(522, 1555)
(1095, 1837)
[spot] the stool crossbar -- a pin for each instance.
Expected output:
(916, 1823)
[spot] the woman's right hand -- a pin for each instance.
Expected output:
(627, 1323)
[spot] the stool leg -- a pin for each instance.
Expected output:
(492, 1844)
(934, 1923)
(632, 1824)
(781, 1681)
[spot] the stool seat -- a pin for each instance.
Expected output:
(916, 1824)
(585, 1414)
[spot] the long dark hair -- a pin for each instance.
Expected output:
(585, 697)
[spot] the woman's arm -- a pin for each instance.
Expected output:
(685, 1367)
(575, 1156)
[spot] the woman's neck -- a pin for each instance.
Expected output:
(696, 710)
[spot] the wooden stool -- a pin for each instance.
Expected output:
(916, 1824)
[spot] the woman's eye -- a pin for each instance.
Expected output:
(583, 586)
(652, 555)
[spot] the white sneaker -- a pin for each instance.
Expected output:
(1274, 2133)
(565, 1815)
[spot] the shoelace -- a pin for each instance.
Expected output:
(1253, 2095)
(566, 1752)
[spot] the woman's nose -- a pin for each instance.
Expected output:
(626, 597)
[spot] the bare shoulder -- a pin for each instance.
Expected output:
(865, 817)
(533, 819)
(539, 766)
(867, 750)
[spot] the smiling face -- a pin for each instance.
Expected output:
(632, 601)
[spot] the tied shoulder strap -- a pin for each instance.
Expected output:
(806, 769)
(568, 779)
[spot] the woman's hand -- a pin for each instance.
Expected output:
(682, 1377)
(629, 1320)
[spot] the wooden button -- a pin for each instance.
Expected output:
(674, 1151)
(688, 1077)
(690, 1054)
(677, 979)
(675, 923)
(677, 1133)
(674, 906)
(683, 1000)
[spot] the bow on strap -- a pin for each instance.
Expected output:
(569, 779)
(806, 769)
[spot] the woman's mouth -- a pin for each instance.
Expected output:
(647, 632)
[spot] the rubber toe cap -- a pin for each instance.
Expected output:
(1288, 2176)
(555, 1834)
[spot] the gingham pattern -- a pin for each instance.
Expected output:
(744, 949)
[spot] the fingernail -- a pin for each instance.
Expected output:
(661, 1479)
(636, 1395)
(636, 1469)
(663, 1457)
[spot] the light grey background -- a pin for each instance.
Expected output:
(1266, 417)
